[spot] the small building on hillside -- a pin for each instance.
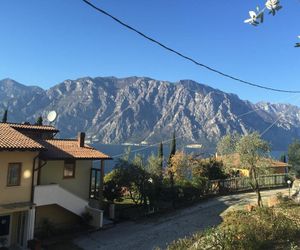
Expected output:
(234, 162)
(43, 178)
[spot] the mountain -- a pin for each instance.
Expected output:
(140, 109)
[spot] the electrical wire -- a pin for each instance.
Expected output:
(277, 120)
(185, 56)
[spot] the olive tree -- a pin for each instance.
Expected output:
(294, 156)
(252, 151)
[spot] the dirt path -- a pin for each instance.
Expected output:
(159, 232)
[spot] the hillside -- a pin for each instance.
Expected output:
(139, 109)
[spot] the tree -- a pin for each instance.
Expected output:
(39, 121)
(252, 152)
(160, 155)
(212, 169)
(154, 166)
(294, 156)
(4, 118)
(227, 144)
(283, 158)
(112, 191)
(132, 176)
(172, 153)
(173, 146)
(181, 168)
(226, 147)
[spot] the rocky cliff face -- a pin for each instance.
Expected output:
(139, 109)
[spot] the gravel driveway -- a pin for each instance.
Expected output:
(151, 233)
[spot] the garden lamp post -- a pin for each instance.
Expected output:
(112, 206)
(289, 185)
(150, 181)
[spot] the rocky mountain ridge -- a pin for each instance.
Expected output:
(141, 109)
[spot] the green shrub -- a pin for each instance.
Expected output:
(263, 228)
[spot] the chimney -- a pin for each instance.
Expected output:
(81, 137)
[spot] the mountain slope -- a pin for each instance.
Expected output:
(137, 109)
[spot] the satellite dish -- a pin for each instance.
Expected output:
(51, 116)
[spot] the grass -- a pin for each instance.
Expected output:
(125, 201)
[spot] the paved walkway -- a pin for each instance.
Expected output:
(159, 232)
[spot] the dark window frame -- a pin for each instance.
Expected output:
(69, 162)
(5, 230)
(8, 182)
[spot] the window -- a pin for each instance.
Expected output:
(69, 169)
(14, 174)
(4, 225)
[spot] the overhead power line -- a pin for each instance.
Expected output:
(277, 120)
(185, 56)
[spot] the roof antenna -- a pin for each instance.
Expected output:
(51, 117)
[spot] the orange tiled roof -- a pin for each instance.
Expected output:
(11, 139)
(236, 161)
(65, 149)
(33, 127)
(278, 164)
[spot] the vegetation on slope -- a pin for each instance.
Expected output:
(263, 228)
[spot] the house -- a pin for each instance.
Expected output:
(234, 162)
(45, 178)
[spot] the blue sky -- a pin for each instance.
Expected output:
(45, 42)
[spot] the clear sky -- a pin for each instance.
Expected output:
(45, 42)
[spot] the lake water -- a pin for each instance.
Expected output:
(117, 151)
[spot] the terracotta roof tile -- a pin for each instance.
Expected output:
(66, 149)
(279, 164)
(11, 139)
(236, 161)
(33, 127)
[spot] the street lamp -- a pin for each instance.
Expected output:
(289, 185)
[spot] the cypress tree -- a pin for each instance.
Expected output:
(283, 158)
(173, 146)
(161, 153)
(39, 121)
(161, 158)
(172, 153)
(4, 118)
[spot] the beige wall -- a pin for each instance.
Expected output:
(52, 172)
(56, 215)
(20, 193)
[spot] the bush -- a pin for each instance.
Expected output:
(263, 228)
(187, 194)
(112, 191)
